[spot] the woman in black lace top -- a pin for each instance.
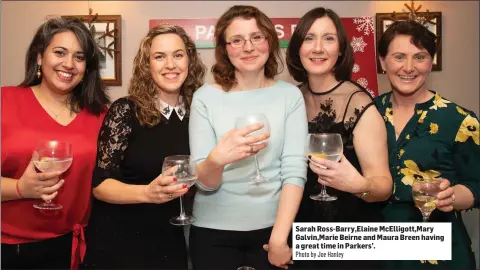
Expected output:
(129, 226)
(320, 57)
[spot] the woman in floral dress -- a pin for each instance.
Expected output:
(428, 136)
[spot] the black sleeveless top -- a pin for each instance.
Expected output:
(336, 111)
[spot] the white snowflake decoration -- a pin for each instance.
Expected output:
(363, 82)
(356, 68)
(371, 92)
(358, 44)
(364, 24)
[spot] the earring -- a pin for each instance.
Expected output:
(39, 72)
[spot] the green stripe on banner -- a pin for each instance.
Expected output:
(204, 44)
(209, 45)
(284, 43)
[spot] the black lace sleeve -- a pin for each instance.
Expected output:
(113, 140)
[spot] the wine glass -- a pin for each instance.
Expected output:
(52, 156)
(185, 174)
(424, 193)
(328, 146)
(251, 119)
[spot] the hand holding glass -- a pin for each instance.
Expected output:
(258, 118)
(185, 174)
(424, 193)
(328, 146)
(52, 156)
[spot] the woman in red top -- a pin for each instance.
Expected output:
(61, 98)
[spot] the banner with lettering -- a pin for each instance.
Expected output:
(360, 31)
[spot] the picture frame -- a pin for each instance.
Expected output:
(110, 44)
(383, 20)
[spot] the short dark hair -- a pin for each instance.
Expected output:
(421, 37)
(91, 92)
(223, 70)
(343, 66)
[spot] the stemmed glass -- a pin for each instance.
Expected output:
(52, 156)
(251, 119)
(328, 146)
(185, 174)
(424, 192)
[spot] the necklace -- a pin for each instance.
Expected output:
(49, 109)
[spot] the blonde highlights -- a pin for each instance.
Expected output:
(143, 89)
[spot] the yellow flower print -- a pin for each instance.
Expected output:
(433, 128)
(461, 111)
(388, 115)
(400, 154)
(408, 136)
(429, 261)
(439, 102)
(412, 172)
(469, 128)
(422, 117)
(383, 100)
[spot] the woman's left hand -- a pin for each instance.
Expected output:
(279, 255)
(446, 197)
(338, 175)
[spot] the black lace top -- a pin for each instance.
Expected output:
(336, 111)
(135, 236)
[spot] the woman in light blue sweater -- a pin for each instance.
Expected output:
(235, 219)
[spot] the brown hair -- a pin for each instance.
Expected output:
(421, 37)
(343, 66)
(143, 89)
(91, 93)
(223, 70)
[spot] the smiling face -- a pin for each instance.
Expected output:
(168, 62)
(63, 63)
(320, 48)
(249, 57)
(406, 66)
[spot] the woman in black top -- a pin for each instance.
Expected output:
(320, 57)
(129, 226)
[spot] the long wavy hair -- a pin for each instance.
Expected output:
(90, 93)
(144, 91)
(223, 70)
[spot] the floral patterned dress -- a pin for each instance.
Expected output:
(440, 140)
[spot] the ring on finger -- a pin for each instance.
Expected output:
(251, 149)
(170, 195)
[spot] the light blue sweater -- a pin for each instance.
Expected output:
(236, 205)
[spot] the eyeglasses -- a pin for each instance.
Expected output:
(239, 42)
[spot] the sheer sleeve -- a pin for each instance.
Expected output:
(359, 101)
(113, 140)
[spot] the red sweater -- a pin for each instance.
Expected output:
(24, 122)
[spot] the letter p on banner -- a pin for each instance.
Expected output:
(372, 241)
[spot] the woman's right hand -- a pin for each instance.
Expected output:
(235, 145)
(162, 189)
(33, 185)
